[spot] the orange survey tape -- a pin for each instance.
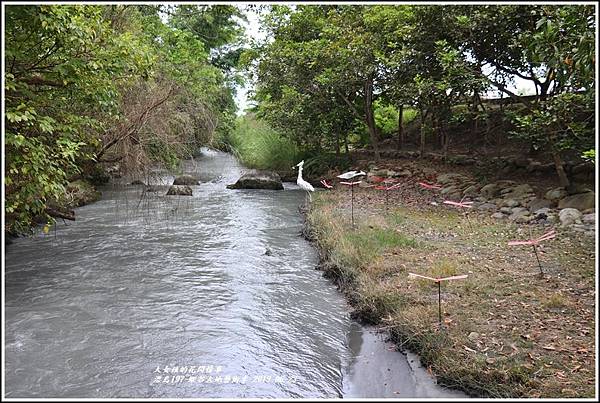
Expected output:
(437, 280)
(545, 237)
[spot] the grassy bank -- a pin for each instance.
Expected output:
(507, 332)
(259, 146)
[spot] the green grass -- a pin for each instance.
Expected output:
(257, 145)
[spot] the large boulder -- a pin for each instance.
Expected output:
(179, 190)
(258, 180)
(582, 201)
(451, 177)
(490, 190)
(518, 192)
(569, 216)
(556, 194)
(538, 203)
(471, 191)
(185, 180)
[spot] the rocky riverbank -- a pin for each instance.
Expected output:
(506, 330)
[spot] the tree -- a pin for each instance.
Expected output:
(89, 83)
(551, 46)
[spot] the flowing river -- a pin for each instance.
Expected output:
(214, 295)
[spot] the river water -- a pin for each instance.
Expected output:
(214, 295)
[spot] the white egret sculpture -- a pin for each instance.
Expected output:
(302, 183)
(351, 174)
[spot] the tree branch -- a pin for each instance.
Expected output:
(352, 107)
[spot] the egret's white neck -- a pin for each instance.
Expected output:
(299, 172)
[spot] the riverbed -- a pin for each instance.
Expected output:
(214, 295)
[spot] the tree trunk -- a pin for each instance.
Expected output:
(560, 170)
(422, 145)
(439, 132)
(346, 145)
(445, 142)
(400, 128)
(370, 117)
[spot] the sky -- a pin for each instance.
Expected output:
(252, 32)
(520, 86)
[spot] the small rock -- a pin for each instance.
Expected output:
(498, 216)
(569, 216)
(521, 162)
(523, 219)
(520, 215)
(449, 189)
(179, 190)
(589, 218)
(473, 336)
(506, 210)
(553, 218)
(538, 203)
(517, 210)
(541, 214)
(534, 166)
(585, 167)
(510, 203)
(487, 207)
(429, 172)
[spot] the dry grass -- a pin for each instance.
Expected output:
(507, 332)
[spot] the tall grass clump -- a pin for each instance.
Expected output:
(257, 145)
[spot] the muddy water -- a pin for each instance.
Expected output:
(214, 295)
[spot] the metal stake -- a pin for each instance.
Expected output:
(469, 221)
(538, 260)
(352, 204)
(440, 302)
(386, 199)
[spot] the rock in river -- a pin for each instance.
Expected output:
(258, 180)
(185, 180)
(179, 190)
